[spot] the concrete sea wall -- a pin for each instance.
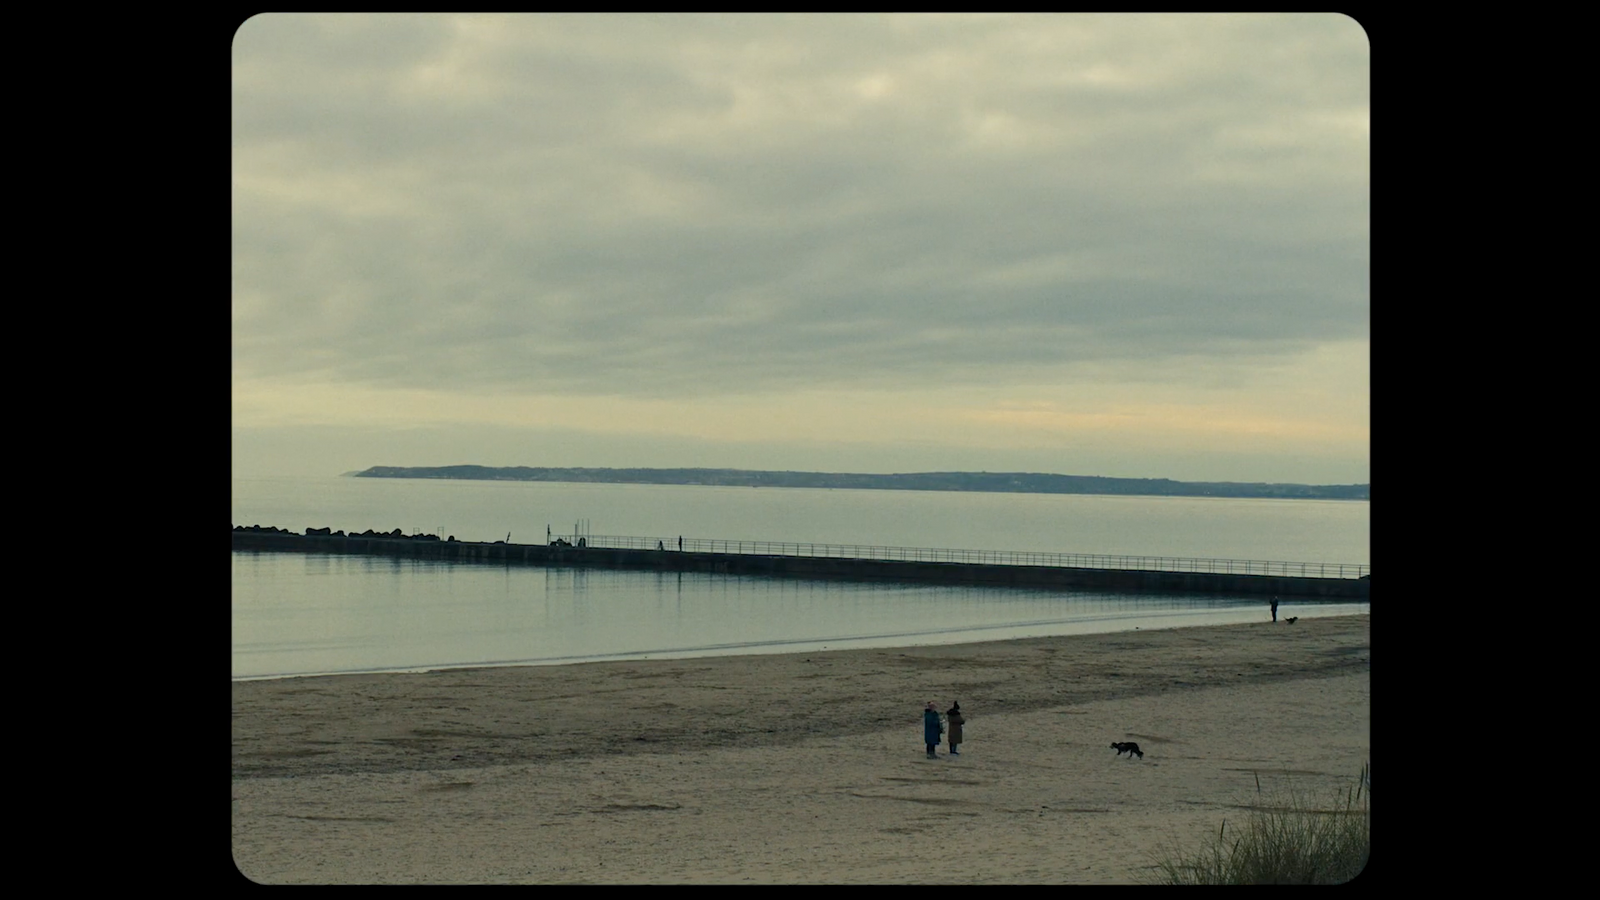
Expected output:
(1129, 580)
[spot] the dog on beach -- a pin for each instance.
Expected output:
(1291, 620)
(1129, 748)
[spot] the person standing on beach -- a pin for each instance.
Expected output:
(956, 720)
(931, 728)
(1274, 609)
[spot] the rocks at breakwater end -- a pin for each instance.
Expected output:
(326, 532)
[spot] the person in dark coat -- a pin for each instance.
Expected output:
(956, 720)
(931, 728)
(1274, 609)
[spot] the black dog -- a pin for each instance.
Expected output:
(1291, 619)
(1129, 748)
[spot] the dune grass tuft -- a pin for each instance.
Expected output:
(1294, 842)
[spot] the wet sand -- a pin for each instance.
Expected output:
(796, 768)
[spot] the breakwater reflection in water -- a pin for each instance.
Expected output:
(302, 614)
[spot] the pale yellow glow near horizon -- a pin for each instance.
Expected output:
(1303, 406)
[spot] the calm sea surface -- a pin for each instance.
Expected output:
(296, 614)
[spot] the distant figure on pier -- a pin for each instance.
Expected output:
(1274, 609)
(931, 728)
(660, 546)
(680, 543)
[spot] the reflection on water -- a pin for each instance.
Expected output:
(299, 614)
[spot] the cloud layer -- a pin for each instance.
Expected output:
(724, 206)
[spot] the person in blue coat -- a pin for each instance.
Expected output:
(931, 728)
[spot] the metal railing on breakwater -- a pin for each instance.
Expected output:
(978, 557)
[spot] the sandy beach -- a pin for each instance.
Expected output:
(797, 768)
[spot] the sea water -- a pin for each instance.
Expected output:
(301, 614)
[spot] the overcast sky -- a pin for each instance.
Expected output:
(1123, 245)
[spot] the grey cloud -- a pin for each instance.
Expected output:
(648, 204)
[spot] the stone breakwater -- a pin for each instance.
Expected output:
(430, 546)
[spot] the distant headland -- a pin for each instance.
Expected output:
(993, 482)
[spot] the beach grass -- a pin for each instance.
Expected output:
(1292, 841)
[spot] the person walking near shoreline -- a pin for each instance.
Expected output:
(1274, 609)
(931, 728)
(956, 720)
